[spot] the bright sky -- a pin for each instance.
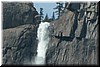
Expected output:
(47, 7)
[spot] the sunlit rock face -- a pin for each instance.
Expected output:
(75, 40)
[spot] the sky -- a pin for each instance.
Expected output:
(47, 7)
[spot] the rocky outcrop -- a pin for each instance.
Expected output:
(74, 40)
(73, 36)
(19, 33)
(17, 13)
(19, 45)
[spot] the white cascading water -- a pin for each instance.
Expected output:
(43, 40)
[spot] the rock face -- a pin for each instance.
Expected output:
(74, 40)
(19, 33)
(17, 13)
(73, 36)
(19, 44)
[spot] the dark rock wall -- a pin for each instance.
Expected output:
(17, 13)
(19, 44)
(19, 32)
(74, 40)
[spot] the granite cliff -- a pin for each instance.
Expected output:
(19, 32)
(73, 40)
(15, 14)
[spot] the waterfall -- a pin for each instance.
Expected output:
(43, 40)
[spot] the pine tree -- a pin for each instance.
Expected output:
(53, 16)
(59, 8)
(46, 19)
(41, 14)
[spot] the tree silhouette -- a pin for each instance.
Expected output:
(59, 8)
(46, 19)
(41, 14)
(53, 16)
